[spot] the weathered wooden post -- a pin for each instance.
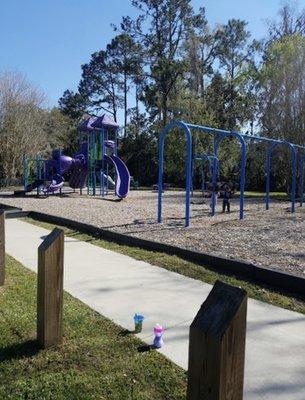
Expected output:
(217, 346)
(50, 289)
(2, 247)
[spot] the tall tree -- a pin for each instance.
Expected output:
(125, 55)
(290, 22)
(282, 89)
(218, 100)
(101, 83)
(282, 98)
(21, 123)
(73, 104)
(26, 127)
(236, 54)
(201, 48)
(161, 27)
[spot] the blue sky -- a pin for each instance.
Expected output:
(48, 40)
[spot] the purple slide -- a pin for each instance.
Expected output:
(56, 184)
(79, 172)
(76, 166)
(123, 177)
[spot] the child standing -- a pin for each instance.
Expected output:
(226, 199)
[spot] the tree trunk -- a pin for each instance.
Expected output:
(137, 109)
(164, 109)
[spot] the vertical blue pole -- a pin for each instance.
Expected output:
(39, 168)
(242, 178)
(192, 184)
(160, 177)
(214, 176)
(101, 177)
(107, 166)
(188, 177)
(116, 142)
(60, 170)
(188, 169)
(94, 163)
(103, 162)
(242, 173)
(101, 156)
(302, 181)
(88, 163)
(294, 175)
(217, 142)
(268, 169)
(218, 169)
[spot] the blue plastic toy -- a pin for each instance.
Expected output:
(138, 322)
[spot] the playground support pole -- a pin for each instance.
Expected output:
(107, 166)
(192, 183)
(215, 175)
(116, 141)
(165, 131)
(89, 165)
(101, 157)
(214, 181)
(242, 177)
(93, 176)
(103, 162)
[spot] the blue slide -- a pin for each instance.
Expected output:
(123, 176)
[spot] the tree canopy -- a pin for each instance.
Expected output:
(168, 63)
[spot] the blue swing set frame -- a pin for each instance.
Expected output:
(219, 135)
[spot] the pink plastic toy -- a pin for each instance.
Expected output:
(158, 340)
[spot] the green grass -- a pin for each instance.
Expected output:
(261, 195)
(183, 267)
(96, 361)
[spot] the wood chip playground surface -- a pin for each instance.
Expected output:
(274, 238)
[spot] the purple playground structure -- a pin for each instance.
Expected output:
(89, 169)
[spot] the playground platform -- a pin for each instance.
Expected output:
(117, 286)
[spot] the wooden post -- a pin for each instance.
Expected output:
(217, 346)
(50, 289)
(2, 247)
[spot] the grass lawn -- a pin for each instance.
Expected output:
(183, 267)
(261, 195)
(96, 361)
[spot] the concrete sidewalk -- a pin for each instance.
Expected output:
(117, 286)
